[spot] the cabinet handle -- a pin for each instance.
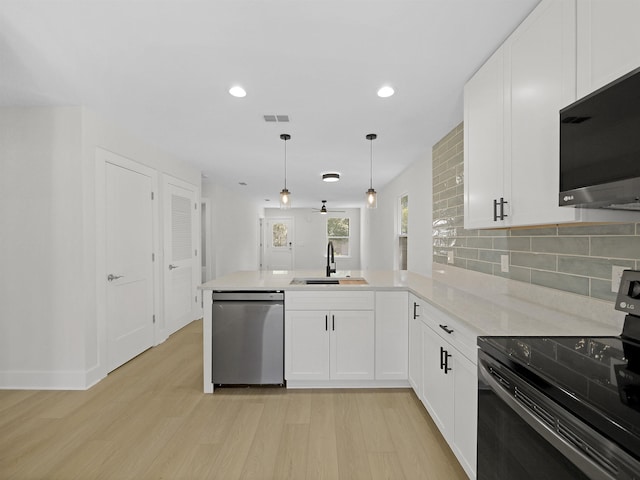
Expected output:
(446, 328)
(444, 360)
(333, 322)
(503, 202)
(326, 323)
(415, 313)
(502, 215)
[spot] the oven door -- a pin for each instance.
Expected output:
(517, 432)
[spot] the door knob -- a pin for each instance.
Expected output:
(111, 277)
(171, 267)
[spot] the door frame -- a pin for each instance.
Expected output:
(196, 308)
(266, 240)
(102, 157)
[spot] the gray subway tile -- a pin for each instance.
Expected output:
(561, 281)
(540, 261)
(590, 267)
(602, 289)
(608, 229)
(492, 256)
(569, 245)
(534, 232)
(462, 252)
(479, 242)
(616, 247)
(521, 244)
(514, 273)
(493, 233)
(483, 267)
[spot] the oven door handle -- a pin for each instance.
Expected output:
(587, 466)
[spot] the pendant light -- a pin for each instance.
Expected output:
(285, 196)
(371, 195)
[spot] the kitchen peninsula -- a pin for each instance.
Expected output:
(481, 305)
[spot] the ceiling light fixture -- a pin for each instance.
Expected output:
(386, 91)
(238, 91)
(371, 195)
(285, 195)
(330, 177)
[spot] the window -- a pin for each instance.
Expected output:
(403, 231)
(338, 234)
(279, 238)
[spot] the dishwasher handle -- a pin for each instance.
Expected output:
(248, 296)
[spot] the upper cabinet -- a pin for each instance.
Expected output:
(511, 125)
(608, 42)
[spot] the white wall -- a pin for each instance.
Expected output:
(310, 237)
(235, 229)
(380, 224)
(49, 328)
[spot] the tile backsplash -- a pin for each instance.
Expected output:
(572, 258)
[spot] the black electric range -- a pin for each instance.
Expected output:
(596, 378)
(595, 381)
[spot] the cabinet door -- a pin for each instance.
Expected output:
(391, 336)
(608, 42)
(437, 386)
(352, 345)
(540, 58)
(484, 103)
(306, 345)
(465, 380)
(415, 344)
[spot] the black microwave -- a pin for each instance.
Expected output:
(600, 148)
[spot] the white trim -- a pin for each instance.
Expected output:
(45, 380)
(292, 384)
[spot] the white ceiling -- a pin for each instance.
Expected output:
(162, 69)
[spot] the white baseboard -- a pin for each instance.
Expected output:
(47, 380)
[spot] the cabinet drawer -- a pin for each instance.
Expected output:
(329, 300)
(451, 330)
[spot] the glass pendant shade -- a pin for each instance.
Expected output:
(285, 199)
(372, 198)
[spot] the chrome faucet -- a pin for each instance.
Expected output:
(330, 259)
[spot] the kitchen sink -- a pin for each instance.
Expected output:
(329, 281)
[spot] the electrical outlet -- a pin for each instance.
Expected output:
(504, 263)
(616, 275)
(449, 256)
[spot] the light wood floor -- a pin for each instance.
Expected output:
(149, 420)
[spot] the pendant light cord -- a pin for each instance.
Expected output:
(285, 163)
(371, 169)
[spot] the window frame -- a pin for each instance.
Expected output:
(348, 237)
(400, 234)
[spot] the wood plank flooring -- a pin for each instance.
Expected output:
(150, 420)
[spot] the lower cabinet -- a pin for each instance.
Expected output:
(391, 336)
(415, 344)
(450, 395)
(330, 344)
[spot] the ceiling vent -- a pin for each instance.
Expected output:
(276, 118)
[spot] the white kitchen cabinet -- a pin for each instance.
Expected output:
(511, 138)
(484, 156)
(306, 345)
(450, 383)
(608, 42)
(329, 336)
(391, 336)
(415, 344)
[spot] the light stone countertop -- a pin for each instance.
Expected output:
(487, 305)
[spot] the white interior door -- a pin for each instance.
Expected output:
(182, 270)
(279, 244)
(129, 264)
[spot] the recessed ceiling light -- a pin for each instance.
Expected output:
(385, 92)
(330, 177)
(238, 91)
(244, 184)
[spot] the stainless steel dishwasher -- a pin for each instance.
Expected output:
(248, 338)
